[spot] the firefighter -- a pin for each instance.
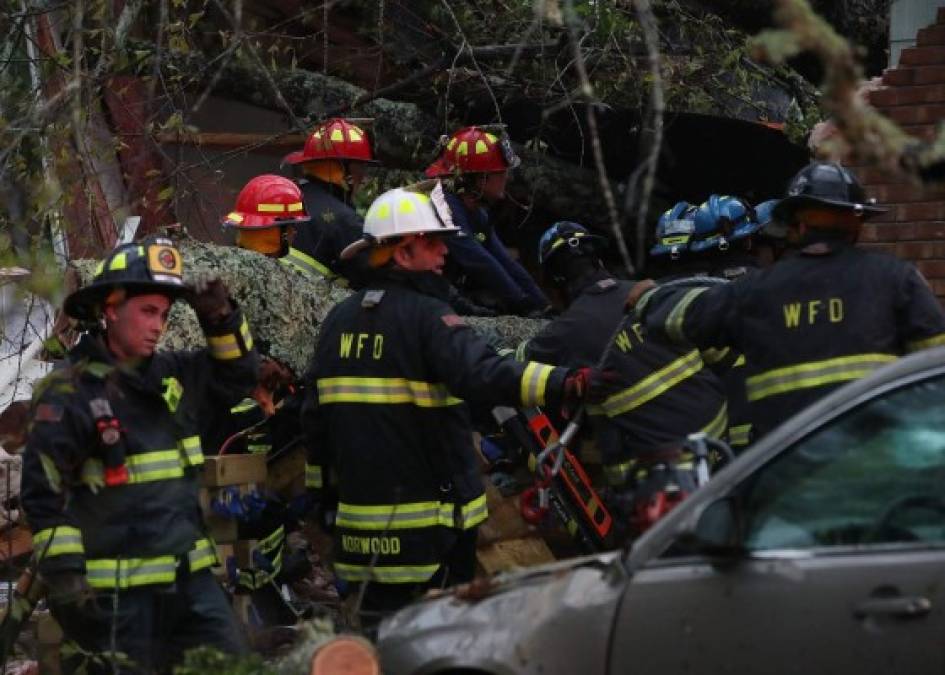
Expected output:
(268, 213)
(829, 314)
(390, 374)
(112, 464)
(333, 164)
(478, 162)
(664, 391)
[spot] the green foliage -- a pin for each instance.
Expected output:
(205, 660)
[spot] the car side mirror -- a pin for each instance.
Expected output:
(717, 532)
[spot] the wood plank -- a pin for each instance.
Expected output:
(501, 556)
(505, 520)
(15, 542)
(286, 475)
(234, 470)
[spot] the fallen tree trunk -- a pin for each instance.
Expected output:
(284, 307)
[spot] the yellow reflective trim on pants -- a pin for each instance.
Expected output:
(384, 390)
(151, 466)
(131, 572)
(203, 555)
(534, 380)
(739, 435)
(653, 384)
(927, 343)
(814, 374)
(716, 428)
(400, 574)
(59, 540)
(470, 514)
(674, 321)
(313, 476)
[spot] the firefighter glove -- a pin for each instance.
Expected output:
(589, 385)
(68, 588)
(210, 300)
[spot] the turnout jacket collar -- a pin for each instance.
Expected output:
(426, 283)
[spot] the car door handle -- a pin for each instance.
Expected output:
(903, 608)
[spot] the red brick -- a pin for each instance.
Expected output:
(871, 175)
(899, 77)
(904, 115)
(931, 114)
(940, 17)
(933, 35)
(920, 211)
(878, 248)
(930, 230)
(920, 250)
(889, 232)
(900, 194)
(932, 269)
(929, 74)
(938, 287)
(922, 56)
(881, 98)
(932, 93)
(924, 132)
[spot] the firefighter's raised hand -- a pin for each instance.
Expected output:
(639, 289)
(589, 385)
(210, 300)
(273, 376)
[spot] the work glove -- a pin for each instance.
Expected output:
(210, 300)
(68, 588)
(589, 385)
(637, 292)
(272, 377)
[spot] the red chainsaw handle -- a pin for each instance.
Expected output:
(530, 504)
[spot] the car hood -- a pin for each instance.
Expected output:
(549, 619)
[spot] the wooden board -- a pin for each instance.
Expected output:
(286, 474)
(501, 556)
(505, 520)
(224, 470)
(15, 542)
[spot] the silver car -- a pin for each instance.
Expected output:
(821, 550)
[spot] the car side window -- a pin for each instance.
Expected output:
(875, 475)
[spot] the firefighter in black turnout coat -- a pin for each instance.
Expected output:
(112, 464)
(815, 320)
(392, 369)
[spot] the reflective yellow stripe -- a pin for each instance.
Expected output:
(130, 572)
(653, 385)
(306, 263)
(520, 351)
(617, 473)
(272, 541)
(193, 452)
(119, 262)
(383, 517)
(934, 341)
(151, 466)
(313, 476)
(674, 321)
(243, 406)
(534, 381)
(716, 428)
(402, 574)
(713, 356)
(227, 347)
(414, 515)
(384, 390)
(203, 555)
(173, 392)
(279, 208)
(739, 435)
(61, 540)
(813, 374)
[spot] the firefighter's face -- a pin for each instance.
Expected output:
(134, 326)
(493, 185)
(422, 254)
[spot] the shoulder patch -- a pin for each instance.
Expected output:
(328, 216)
(453, 320)
(48, 412)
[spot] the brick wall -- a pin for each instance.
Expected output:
(913, 97)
